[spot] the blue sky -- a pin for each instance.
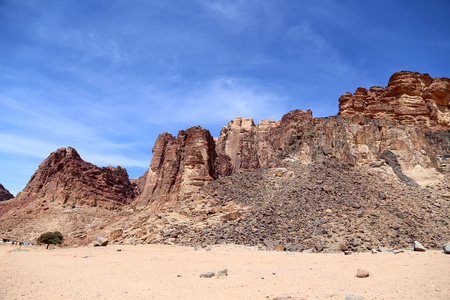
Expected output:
(107, 77)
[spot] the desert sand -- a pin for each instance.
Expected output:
(173, 272)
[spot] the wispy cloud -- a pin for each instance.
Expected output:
(316, 49)
(108, 77)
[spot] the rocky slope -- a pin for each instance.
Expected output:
(410, 98)
(5, 194)
(317, 205)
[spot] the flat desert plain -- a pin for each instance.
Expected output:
(173, 272)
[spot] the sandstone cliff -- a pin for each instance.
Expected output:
(375, 144)
(66, 178)
(410, 98)
(5, 194)
(179, 166)
(247, 146)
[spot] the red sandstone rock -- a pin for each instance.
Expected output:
(242, 145)
(65, 177)
(410, 98)
(179, 166)
(5, 194)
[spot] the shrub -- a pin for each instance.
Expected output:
(50, 238)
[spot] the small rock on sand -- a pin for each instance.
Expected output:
(289, 298)
(207, 275)
(419, 247)
(362, 273)
(446, 248)
(385, 249)
(101, 241)
(223, 272)
(353, 297)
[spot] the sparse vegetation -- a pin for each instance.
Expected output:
(18, 250)
(50, 238)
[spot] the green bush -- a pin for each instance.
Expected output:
(50, 238)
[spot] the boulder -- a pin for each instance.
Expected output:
(223, 272)
(446, 248)
(362, 273)
(385, 249)
(280, 247)
(419, 247)
(207, 275)
(100, 241)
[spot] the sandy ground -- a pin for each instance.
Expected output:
(168, 272)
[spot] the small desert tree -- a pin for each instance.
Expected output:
(50, 238)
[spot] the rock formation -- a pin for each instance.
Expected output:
(304, 182)
(247, 146)
(410, 98)
(373, 129)
(66, 178)
(362, 142)
(179, 166)
(5, 194)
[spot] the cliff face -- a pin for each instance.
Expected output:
(66, 178)
(179, 166)
(366, 142)
(247, 146)
(410, 98)
(5, 194)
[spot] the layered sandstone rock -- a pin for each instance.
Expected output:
(66, 178)
(410, 98)
(242, 145)
(361, 141)
(5, 194)
(357, 141)
(179, 166)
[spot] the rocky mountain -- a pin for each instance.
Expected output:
(5, 194)
(374, 175)
(410, 98)
(67, 179)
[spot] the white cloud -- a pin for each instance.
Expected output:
(25, 146)
(214, 102)
(229, 9)
(316, 50)
(307, 37)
